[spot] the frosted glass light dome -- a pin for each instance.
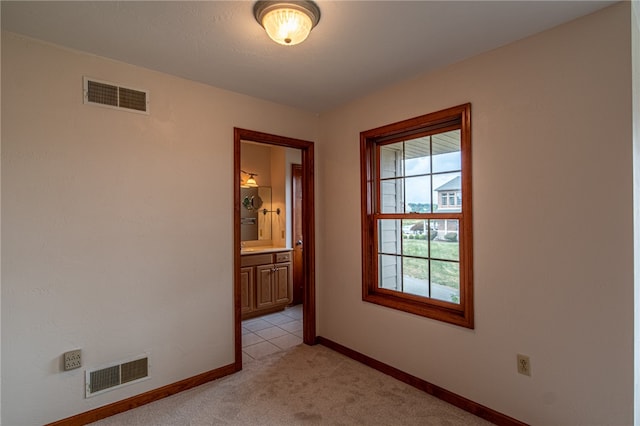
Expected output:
(287, 23)
(287, 26)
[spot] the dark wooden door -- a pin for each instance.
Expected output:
(298, 264)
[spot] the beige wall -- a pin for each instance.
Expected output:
(117, 227)
(551, 136)
(252, 159)
(279, 184)
(281, 160)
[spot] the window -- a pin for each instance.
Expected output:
(417, 255)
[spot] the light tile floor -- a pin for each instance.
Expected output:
(271, 333)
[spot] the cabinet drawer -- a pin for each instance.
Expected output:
(256, 259)
(283, 257)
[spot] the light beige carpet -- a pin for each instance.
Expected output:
(301, 386)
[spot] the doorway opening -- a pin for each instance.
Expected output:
(303, 183)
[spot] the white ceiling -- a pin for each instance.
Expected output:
(358, 46)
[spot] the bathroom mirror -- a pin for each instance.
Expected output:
(255, 213)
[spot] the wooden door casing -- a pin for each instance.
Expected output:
(308, 230)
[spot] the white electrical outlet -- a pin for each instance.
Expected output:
(72, 360)
(524, 365)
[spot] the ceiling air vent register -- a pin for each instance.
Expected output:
(115, 96)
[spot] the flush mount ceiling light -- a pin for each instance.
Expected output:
(287, 22)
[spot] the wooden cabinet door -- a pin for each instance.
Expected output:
(282, 277)
(246, 290)
(264, 286)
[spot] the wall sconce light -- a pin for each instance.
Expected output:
(251, 180)
(287, 22)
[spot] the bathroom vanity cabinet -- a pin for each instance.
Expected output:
(265, 280)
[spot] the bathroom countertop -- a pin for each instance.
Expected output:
(262, 249)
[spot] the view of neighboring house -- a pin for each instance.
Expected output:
(450, 196)
(449, 200)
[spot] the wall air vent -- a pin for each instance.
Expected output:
(116, 375)
(112, 95)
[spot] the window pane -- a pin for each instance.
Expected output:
(391, 160)
(417, 156)
(445, 281)
(446, 152)
(418, 194)
(390, 272)
(391, 196)
(416, 276)
(414, 228)
(445, 243)
(415, 242)
(447, 190)
(389, 236)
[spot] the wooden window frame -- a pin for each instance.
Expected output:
(461, 313)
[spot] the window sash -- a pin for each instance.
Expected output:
(378, 252)
(456, 313)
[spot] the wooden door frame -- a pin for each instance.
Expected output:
(308, 230)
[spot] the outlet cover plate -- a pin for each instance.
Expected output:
(72, 360)
(524, 365)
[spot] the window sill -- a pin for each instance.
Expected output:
(437, 310)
